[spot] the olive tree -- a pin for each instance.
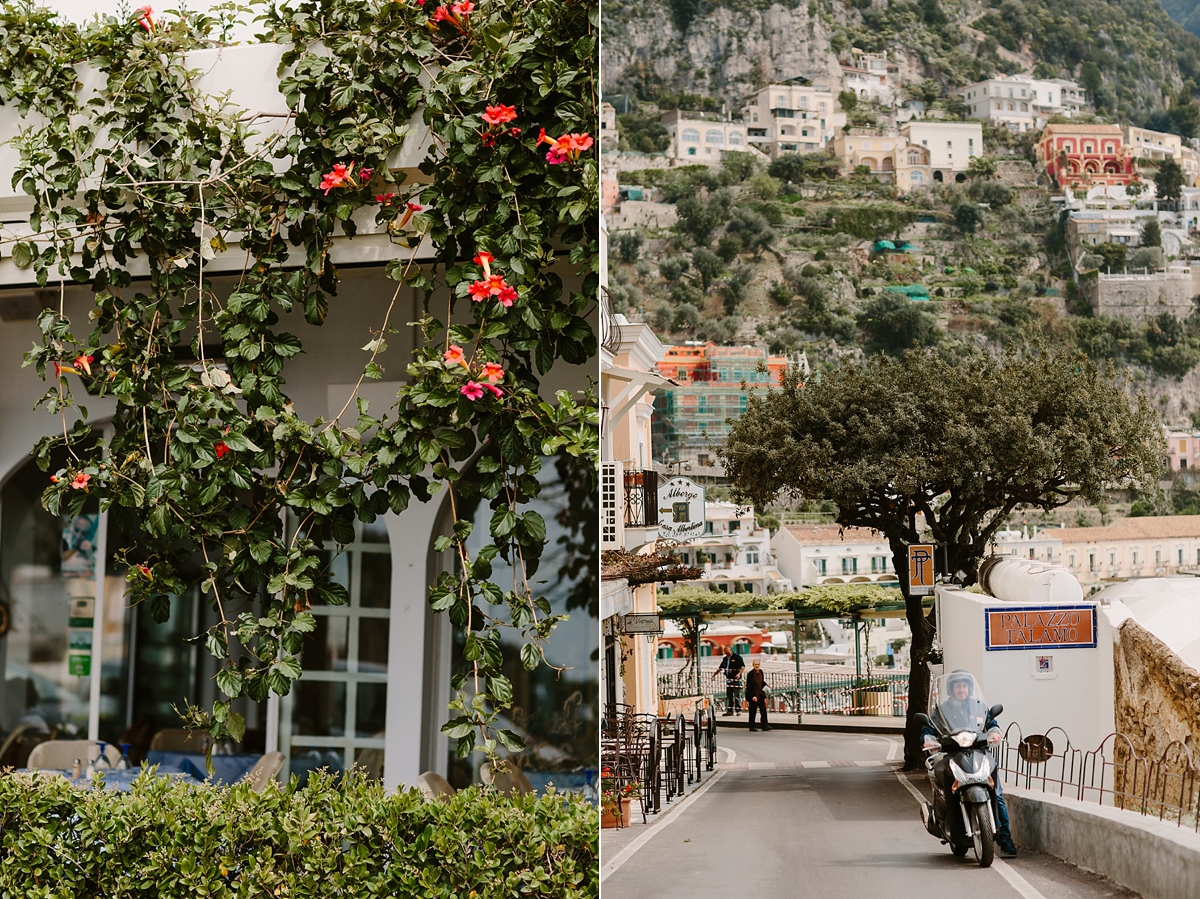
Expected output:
(928, 448)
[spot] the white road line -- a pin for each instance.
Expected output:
(760, 766)
(815, 764)
(666, 818)
(731, 753)
(1015, 880)
(893, 749)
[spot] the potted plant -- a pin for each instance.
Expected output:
(615, 799)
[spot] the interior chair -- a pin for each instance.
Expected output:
(60, 755)
(265, 770)
(512, 780)
(179, 739)
(432, 785)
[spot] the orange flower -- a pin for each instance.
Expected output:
(493, 372)
(454, 356)
(341, 176)
(146, 20)
(485, 259)
(409, 208)
(85, 362)
(81, 481)
(566, 148)
(499, 115)
(221, 448)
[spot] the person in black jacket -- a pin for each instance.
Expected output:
(756, 693)
(732, 665)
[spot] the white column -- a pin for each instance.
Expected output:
(98, 628)
(272, 741)
(410, 535)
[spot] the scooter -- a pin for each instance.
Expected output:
(963, 774)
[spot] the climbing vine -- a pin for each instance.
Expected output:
(141, 183)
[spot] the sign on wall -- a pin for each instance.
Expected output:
(680, 509)
(641, 624)
(920, 569)
(1039, 627)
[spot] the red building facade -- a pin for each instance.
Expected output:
(1086, 155)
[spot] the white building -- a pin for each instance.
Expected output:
(951, 145)
(796, 117)
(695, 138)
(1019, 102)
(608, 126)
(871, 78)
(812, 554)
(735, 555)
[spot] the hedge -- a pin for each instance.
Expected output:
(343, 839)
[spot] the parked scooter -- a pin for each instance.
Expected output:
(962, 771)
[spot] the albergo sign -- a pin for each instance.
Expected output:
(680, 509)
(1038, 627)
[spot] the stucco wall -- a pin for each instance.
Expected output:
(1140, 298)
(1155, 695)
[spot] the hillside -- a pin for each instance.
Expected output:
(1185, 12)
(1129, 53)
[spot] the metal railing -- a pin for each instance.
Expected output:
(806, 693)
(1112, 774)
(641, 499)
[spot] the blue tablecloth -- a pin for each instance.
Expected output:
(121, 780)
(227, 769)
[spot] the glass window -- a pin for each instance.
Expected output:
(713, 136)
(691, 136)
(735, 138)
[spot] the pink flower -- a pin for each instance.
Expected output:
(566, 148)
(221, 448)
(414, 207)
(493, 372)
(441, 14)
(462, 7)
(84, 361)
(384, 199)
(454, 356)
(499, 115)
(409, 208)
(507, 296)
(472, 390)
(493, 286)
(146, 20)
(496, 391)
(54, 479)
(364, 174)
(81, 481)
(144, 570)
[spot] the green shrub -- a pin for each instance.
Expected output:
(348, 840)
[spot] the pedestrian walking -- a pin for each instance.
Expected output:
(756, 694)
(732, 665)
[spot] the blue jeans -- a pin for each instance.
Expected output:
(1003, 834)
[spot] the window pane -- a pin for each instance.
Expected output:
(370, 761)
(376, 591)
(325, 647)
(375, 532)
(305, 761)
(370, 710)
(373, 645)
(339, 570)
(318, 709)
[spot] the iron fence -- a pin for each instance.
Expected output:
(803, 693)
(641, 499)
(1112, 774)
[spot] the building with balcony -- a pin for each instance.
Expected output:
(814, 554)
(1086, 155)
(701, 138)
(872, 78)
(707, 389)
(890, 157)
(1021, 103)
(950, 144)
(735, 554)
(796, 116)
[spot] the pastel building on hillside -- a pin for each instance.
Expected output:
(950, 144)
(1086, 155)
(1021, 103)
(699, 138)
(872, 78)
(814, 554)
(890, 157)
(735, 554)
(794, 117)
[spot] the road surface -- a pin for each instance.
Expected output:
(797, 814)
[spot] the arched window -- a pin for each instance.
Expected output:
(917, 176)
(706, 648)
(914, 158)
(735, 137)
(713, 136)
(742, 646)
(691, 136)
(666, 651)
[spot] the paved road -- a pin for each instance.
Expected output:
(779, 823)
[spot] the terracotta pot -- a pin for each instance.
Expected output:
(608, 819)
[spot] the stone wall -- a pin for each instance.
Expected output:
(1156, 694)
(1140, 297)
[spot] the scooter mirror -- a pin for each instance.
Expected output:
(995, 710)
(922, 719)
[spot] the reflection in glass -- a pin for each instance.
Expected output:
(325, 646)
(370, 710)
(319, 709)
(376, 592)
(306, 761)
(373, 645)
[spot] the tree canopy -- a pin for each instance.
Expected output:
(959, 443)
(1168, 180)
